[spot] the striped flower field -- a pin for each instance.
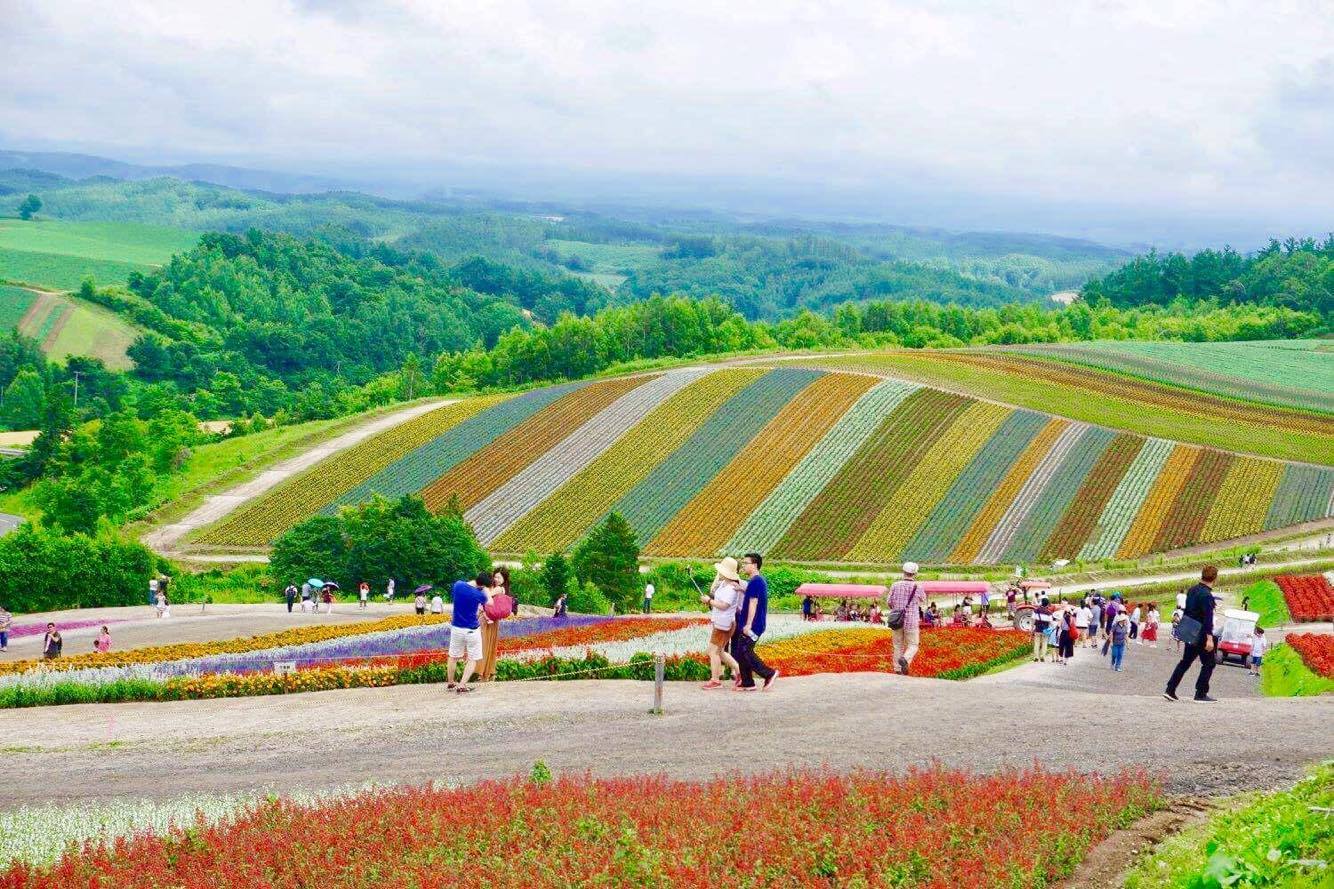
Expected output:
(806, 465)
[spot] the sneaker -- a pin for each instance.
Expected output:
(768, 683)
(462, 689)
(1205, 699)
(746, 688)
(450, 685)
(1171, 696)
(903, 665)
(711, 685)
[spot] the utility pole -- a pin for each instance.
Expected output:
(77, 374)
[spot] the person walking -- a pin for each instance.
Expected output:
(1095, 620)
(465, 635)
(6, 622)
(52, 643)
(1117, 634)
(560, 608)
(1083, 618)
(649, 590)
(722, 599)
(305, 597)
(1150, 632)
(904, 606)
(500, 607)
(1041, 624)
(1011, 600)
(750, 626)
(419, 603)
(102, 644)
(807, 608)
(289, 595)
(389, 591)
(163, 606)
(327, 595)
(363, 595)
(1259, 645)
(1134, 624)
(1197, 629)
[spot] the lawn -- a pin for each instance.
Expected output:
(14, 304)
(607, 258)
(1284, 674)
(60, 255)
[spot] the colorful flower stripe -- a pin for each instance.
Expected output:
(563, 517)
(1308, 597)
(489, 468)
(529, 487)
(927, 483)
(1242, 501)
(18, 631)
(952, 516)
(712, 516)
(840, 514)
(928, 828)
(943, 651)
(417, 469)
(1082, 515)
(1166, 487)
(1003, 497)
(1027, 497)
(766, 525)
(1124, 505)
(613, 630)
(1316, 650)
(265, 518)
(674, 481)
(1057, 496)
(1305, 494)
(1189, 511)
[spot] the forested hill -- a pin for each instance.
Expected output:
(1296, 274)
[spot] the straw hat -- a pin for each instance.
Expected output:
(727, 568)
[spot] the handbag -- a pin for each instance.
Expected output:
(1188, 630)
(895, 616)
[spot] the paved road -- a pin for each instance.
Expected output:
(9, 522)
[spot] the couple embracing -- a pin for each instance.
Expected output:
(738, 610)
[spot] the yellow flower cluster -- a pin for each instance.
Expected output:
(819, 642)
(181, 650)
(240, 685)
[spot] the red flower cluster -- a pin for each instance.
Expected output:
(1309, 597)
(933, 828)
(608, 631)
(1317, 651)
(943, 651)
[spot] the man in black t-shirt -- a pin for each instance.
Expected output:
(1199, 605)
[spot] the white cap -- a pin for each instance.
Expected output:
(909, 567)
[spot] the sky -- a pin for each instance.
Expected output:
(1180, 117)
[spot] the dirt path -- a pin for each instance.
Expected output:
(165, 538)
(419, 733)
(1106, 864)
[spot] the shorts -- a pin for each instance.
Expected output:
(720, 637)
(463, 641)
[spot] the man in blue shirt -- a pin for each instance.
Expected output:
(465, 634)
(1199, 605)
(750, 621)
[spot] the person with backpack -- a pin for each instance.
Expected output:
(904, 608)
(289, 595)
(1041, 626)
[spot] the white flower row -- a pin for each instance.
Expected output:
(689, 640)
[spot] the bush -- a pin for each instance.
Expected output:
(42, 570)
(587, 599)
(608, 558)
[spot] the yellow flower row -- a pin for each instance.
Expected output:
(819, 642)
(181, 650)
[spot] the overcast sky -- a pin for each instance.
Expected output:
(1202, 110)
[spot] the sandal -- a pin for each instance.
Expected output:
(450, 685)
(462, 689)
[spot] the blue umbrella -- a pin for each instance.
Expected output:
(315, 582)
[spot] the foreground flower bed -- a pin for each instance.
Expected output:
(936, 828)
(1309, 597)
(944, 652)
(1317, 651)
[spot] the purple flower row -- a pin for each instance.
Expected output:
(20, 630)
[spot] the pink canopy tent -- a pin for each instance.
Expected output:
(870, 591)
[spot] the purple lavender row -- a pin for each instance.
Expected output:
(19, 630)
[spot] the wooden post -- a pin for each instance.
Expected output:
(659, 667)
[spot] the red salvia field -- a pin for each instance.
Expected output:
(1316, 650)
(1308, 597)
(943, 651)
(934, 828)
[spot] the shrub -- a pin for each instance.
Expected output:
(42, 570)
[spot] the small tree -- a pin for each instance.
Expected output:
(608, 558)
(555, 576)
(31, 204)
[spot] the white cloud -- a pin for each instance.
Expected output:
(1179, 105)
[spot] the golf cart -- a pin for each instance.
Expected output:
(1238, 631)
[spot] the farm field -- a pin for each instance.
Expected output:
(58, 255)
(1113, 399)
(65, 326)
(805, 465)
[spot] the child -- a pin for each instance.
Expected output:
(1176, 619)
(102, 644)
(1150, 634)
(1259, 644)
(364, 593)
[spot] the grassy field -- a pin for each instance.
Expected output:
(1181, 418)
(67, 326)
(59, 255)
(607, 258)
(1285, 675)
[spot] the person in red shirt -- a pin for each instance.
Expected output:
(500, 607)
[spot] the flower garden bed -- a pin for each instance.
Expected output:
(944, 652)
(1309, 598)
(1317, 651)
(924, 828)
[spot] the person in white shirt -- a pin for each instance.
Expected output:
(1134, 625)
(648, 597)
(1259, 645)
(722, 599)
(437, 604)
(1083, 619)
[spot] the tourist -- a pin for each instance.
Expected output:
(419, 603)
(1117, 633)
(904, 605)
(750, 625)
(1259, 645)
(819, 612)
(6, 621)
(1150, 632)
(1197, 625)
(389, 591)
(102, 644)
(305, 597)
(560, 609)
(437, 604)
(363, 595)
(648, 597)
(289, 595)
(875, 616)
(163, 606)
(1069, 634)
(465, 635)
(986, 601)
(932, 615)
(1181, 599)
(841, 612)
(1095, 620)
(327, 595)
(722, 599)
(1084, 618)
(1041, 624)
(52, 642)
(152, 591)
(807, 608)
(1134, 624)
(1011, 600)
(1177, 614)
(500, 607)
(1245, 603)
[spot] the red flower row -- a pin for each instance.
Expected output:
(941, 650)
(1317, 651)
(932, 828)
(617, 630)
(1308, 597)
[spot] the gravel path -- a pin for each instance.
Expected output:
(419, 733)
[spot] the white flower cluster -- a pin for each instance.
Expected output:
(689, 640)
